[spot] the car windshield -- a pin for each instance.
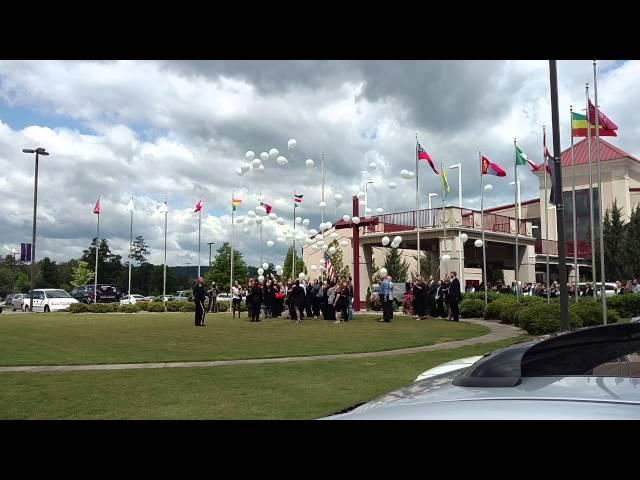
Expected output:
(57, 294)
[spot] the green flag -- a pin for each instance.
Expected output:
(521, 157)
(445, 185)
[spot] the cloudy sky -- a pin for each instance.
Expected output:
(182, 128)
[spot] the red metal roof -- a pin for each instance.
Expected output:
(511, 205)
(581, 153)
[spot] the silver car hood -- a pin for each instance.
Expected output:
(533, 398)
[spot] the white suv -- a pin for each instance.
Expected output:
(48, 300)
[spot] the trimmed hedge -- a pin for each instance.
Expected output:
(627, 305)
(543, 319)
(493, 310)
(78, 308)
(127, 308)
(155, 307)
(174, 306)
(590, 313)
(103, 307)
(223, 306)
(472, 308)
(491, 296)
(187, 307)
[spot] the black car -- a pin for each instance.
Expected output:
(107, 293)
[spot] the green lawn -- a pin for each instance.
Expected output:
(67, 339)
(278, 391)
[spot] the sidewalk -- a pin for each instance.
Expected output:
(498, 332)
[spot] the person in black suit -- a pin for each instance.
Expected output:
(432, 288)
(454, 296)
(297, 299)
(257, 297)
(199, 296)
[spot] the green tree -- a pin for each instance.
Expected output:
(81, 274)
(613, 236)
(631, 245)
(495, 276)
(221, 269)
(9, 271)
(425, 265)
(339, 268)
(110, 268)
(48, 275)
(140, 249)
(396, 266)
(23, 284)
(288, 262)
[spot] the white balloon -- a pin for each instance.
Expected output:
(488, 188)
(314, 267)
(325, 247)
(299, 235)
(273, 216)
(478, 243)
(261, 278)
(356, 220)
(260, 210)
(301, 275)
(245, 167)
(282, 161)
(445, 257)
(464, 237)
(344, 243)
(298, 220)
(273, 153)
(264, 156)
(265, 265)
(322, 205)
(240, 219)
(320, 243)
(383, 271)
(379, 210)
(291, 144)
(397, 239)
(260, 169)
(239, 171)
(360, 195)
(255, 163)
(385, 241)
(259, 220)
(250, 155)
(322, 226)
(367, 210)
(392, 185)
(328, 225)
(332, 250)
(334, 235)
(251, 221)
(395, 245)
(280, 221)
(269, 243)
(251, 213)
(318, 237)
(362, 203)
(260, 271)
(322, 269)
(313, 232)
(346, 218)
(372, 166)
(337, 198)
(278, 267)
(310, 163)
(305, 222)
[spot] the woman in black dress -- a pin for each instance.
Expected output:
(257, 296)
(419, 291)
(297, 298)
(341, 303)
(269, 298)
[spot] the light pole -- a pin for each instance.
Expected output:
(210, 243)
(430, 212)
(485, 188)
(37, 151)
(458, 166)
(517, 212)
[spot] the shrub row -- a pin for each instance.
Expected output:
(174, 306)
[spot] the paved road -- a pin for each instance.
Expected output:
(498, 332)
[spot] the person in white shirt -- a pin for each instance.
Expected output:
(236, 298)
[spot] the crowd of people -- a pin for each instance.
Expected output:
(437, 298)
(329, 299)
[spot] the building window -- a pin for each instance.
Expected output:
(536, 222)
(582, 217)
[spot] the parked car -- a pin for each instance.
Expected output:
(590, 373)
(17, 301)
(182, 296)
(132, 299)
(609, 288)
(224, 297)
(48, 300)
(107, 293)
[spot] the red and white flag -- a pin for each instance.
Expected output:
(423, 155)
(199, 205)
(98, 207)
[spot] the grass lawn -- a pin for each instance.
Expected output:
(279, 391)
(67, 339)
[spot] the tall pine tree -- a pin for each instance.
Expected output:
(340, 269)
(288, 263)
(631, 245)
(396, 266)
(613, 238)
(221, 269)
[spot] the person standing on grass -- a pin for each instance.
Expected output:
(297, 298)
(431, 297)
(213, 298)
(455, 295)
(351, 297)
(386, 297)
(236, 298)
(256, 294)
(199, 296)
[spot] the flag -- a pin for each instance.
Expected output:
(422, 155)
(267, 207)
(235, 202)
(199, 206)
(445, 185)
(164, 208)
(328, 265)
(489, 168)
(579, 127)
(130, 208)
(544, 144)
(521, 157)
(98, 207)
(605, 123)
(535, 167)
(297, 199)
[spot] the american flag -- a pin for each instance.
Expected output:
(329, 266)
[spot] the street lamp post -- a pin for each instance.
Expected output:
(458, 166)
(210, 243)
(430, 212)
(37, 151)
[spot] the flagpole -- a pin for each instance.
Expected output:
(484, 252)
(322, 209)
(600, 195)
(232, 240)
(95, 279)
(575, 222)
(130, 249)
(417, 205)
(293, 265)
(517, 215)
(591, 210)
(546, 214)
(199, 222)
(261, 231)
(444, 220)
(164, 269)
